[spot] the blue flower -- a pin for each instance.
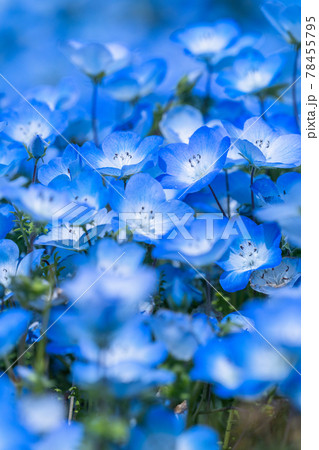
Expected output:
(178, 288)
(24, 123)
(201, 243)
(135, 82)
(10, 265)
(63, 96)
(207, 42)
(164, 427)
(66, 166)
(263, 146)
(181, 334)
(282, 204)
(76, 227)
(128, 364)
(180, 122)
(97, 60)
(125, 277)
(286, 274)
(13, 324)
(123, 153)
(145, 210)
(10, 157)
(239, 364)
(6, 220)
(194, 166)
(250, 73)
(42, 202)
(285, 17)
(259, 249)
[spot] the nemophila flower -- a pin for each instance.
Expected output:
(177, 286)
(128, 364)
(123, 153)
(259, 249)
(239, 364)
(181, 333)
(202, 242)
(285, 18)
(283, 205)
(76, 227)
(250, 73)
(278, 319)
(6, 220)
(125, 277)
(13, 324)
(137, 81)
(271, 193)
(163, 427)
(263, 146)
(24, 123)
(286, 274)
(180, 122)
(63, 96)
(10, 263)
(67, 166)
(145, 210)
(42, 202)
(194, 166)
(97, 60)
(10, 158)
(88, 188)
(206, 41)
(139, 121)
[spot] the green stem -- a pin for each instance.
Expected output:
(227, 190)
(34, 177)
(216, 200)
(192, 403)
(228, 429)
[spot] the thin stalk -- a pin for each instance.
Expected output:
(71, 407)
(216, 200)
(228, 429)
(294, 86)
(34, 177)
(207, 91)
(251, 190)
(94, 113)
(262, 106)
(227, 190)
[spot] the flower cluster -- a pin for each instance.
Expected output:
(150, 245)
